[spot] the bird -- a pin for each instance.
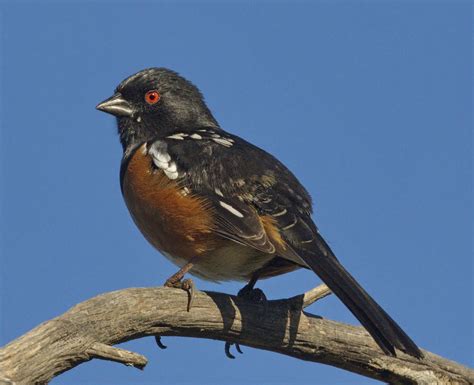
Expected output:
(220, 207)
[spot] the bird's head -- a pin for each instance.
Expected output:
(154, 102)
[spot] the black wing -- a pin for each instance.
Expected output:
(302, 235)
(187, 158)
(283, 202)
(253, 183)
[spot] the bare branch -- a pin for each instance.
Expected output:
(89, 330)
(313, 295)
(107, 352)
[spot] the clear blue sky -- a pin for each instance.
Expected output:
(368, 103)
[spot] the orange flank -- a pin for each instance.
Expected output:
(172, 221)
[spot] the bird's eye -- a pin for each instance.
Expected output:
(152, 97)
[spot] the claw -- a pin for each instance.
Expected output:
(176, 281)
(187, 285)
(159, 343)
(227, 350)
(237, 347)
(251, 294)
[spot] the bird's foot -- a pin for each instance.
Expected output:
(186, 285)
(253, 295)
(227, 349)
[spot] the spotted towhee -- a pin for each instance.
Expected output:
(218, 206)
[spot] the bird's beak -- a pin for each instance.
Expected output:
(116, 105)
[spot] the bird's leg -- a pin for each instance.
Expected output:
(248, 292)
(252, 294)
(176, 281)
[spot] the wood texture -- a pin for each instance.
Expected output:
(90, 329)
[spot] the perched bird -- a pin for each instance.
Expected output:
(218, 206)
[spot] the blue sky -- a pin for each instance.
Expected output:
(368, 103)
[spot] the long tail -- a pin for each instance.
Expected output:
(378, 323)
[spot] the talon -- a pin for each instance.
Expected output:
(237, 347)
(186, 285)
(227, 350)
(159, 343)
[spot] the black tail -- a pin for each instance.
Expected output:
(378, 323)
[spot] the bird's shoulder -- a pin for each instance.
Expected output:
(209, 160)
(248, 189)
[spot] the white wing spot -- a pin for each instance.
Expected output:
(279, 214)
(231, 209)
(171, 172)
(179, 136)
(172, 167)
(196, 136)
(290, 225)
(160, 164)
(223, 141)
(218, 192)
(162, 159)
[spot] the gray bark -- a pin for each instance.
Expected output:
(90, 329)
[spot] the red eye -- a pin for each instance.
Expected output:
(152, 97)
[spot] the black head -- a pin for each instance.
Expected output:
(155, 102)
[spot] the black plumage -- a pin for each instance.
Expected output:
(241, 184)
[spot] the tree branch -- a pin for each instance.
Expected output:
(107, 352)
(89, 330)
